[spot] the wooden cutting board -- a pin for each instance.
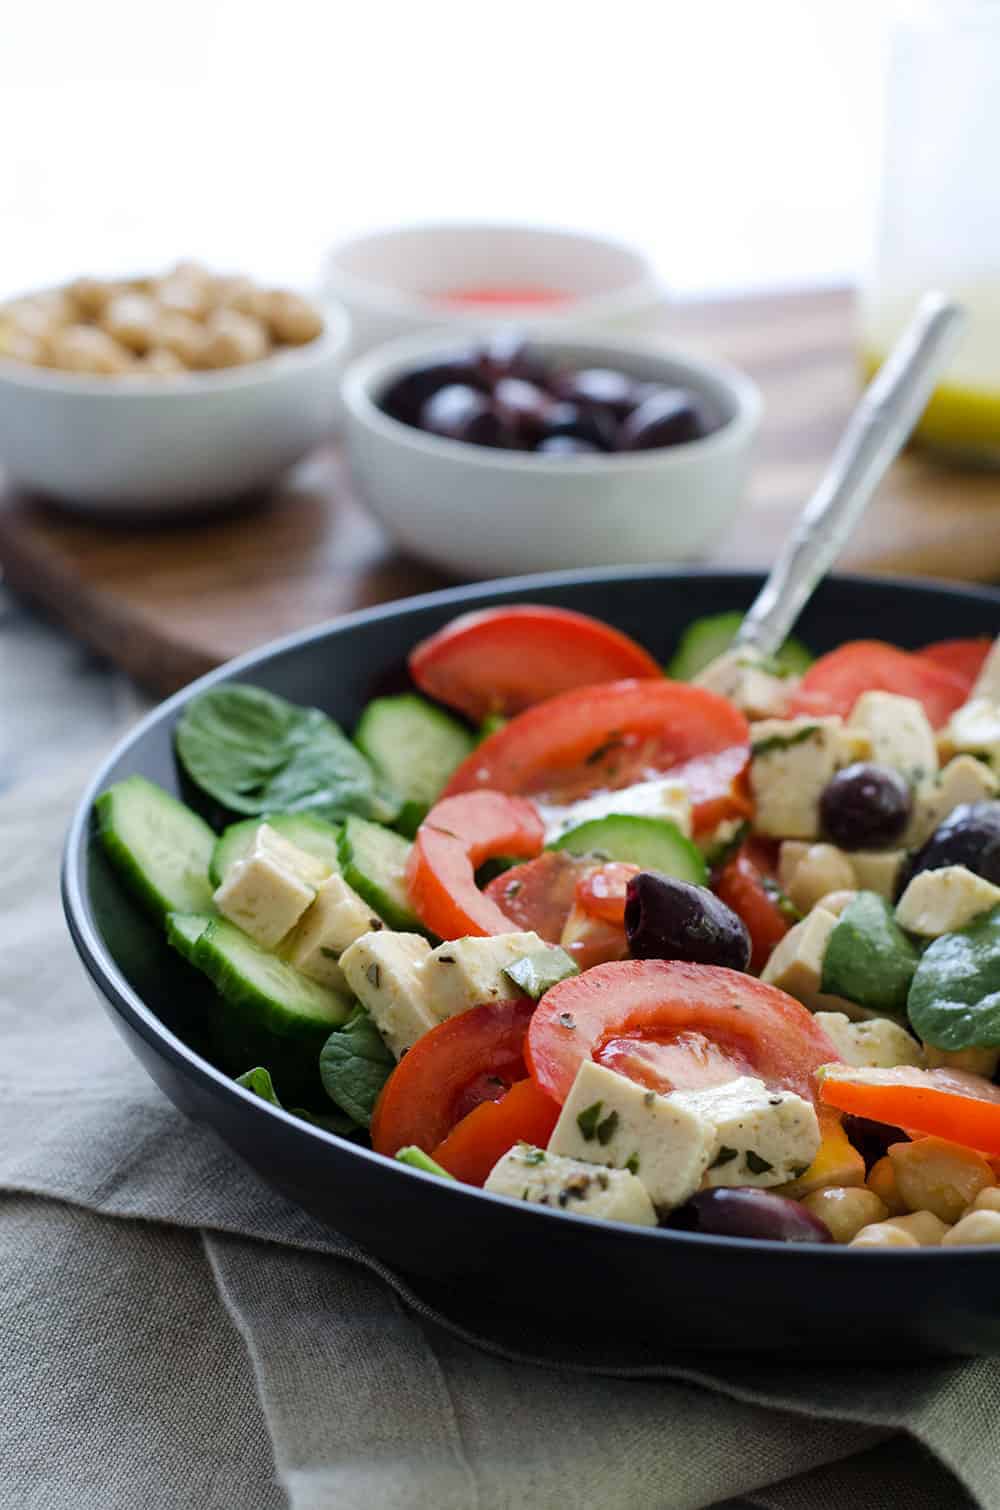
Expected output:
(168, 602)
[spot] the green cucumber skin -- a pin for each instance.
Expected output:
(652, 843)
(184, 929)
(705, 639)
(317, 837)
(190, 889)
(414, 748)
(373, 862)
(230, 959)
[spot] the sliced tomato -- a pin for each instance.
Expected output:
(963, 657)
(612, 736)
(503, 660)
(601, 891)
(524, 1115)
(834, 683)
(754, 1026)
(427, 1092)
(743, 886)
(537, 897)
(944, 1103)
(456, 837)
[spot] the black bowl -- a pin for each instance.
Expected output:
(673, 1289)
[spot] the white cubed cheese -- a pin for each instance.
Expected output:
(762, 1137)
(385, 972)
(263, 898)
(987, 683)
(796, 966)
(876, 869)
(335, 920)
(900, 733)
(660, 797)
(268, 841)
(974, 729)
(942, 901)
(963, 779)
(608, 1119)
(792, 761)
(464, 973)
(878, 1044)
(546, 1179)
(748, 685)
(808, 872)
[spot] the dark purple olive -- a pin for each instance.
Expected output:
(592, 425)
(508, 355)
(524, 406)
(462, 413)
(670, 919)
(598, 388)
(405, 397)
(566, 445)
(872, 1139)
(732, 1211)
(865, 806)
(666, 418)
(969, 836)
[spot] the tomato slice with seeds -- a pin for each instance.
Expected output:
(503, 660)
(834, 683)
(755, 1027)
(524, 1115)
(743, 885)
(537, 897)
(458, 835)
(612, 736)
(601, 891)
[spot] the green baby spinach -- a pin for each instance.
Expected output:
(954, 1000)
(260, 1082)
(354, 1064)
(869, 959)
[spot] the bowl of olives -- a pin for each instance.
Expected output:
(494, 454)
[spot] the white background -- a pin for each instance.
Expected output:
(736, 141)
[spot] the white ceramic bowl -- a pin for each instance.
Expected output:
(168, 444)
(390, 281)
(489, 513)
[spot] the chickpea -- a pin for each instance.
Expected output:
(242, 295)
(923, 1229)
(977, 1228)
(85, 349)
(184, 294)
(234, 339)
(32, 317)
(837, 901)
(935, 1175)
(131, 319)
(822, 869)
(882, 1235)
(90, 295)
(182, 336)
(975, 1061)
(846, 1209)
(882, 1180)
(986, 1200)
(292, 319)
(160, 361)
(18, 345)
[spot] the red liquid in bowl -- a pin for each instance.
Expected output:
(501, 293)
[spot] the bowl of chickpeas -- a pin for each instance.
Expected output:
(165, 393)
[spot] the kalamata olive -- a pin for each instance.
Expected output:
(593, 425)
(969, 836)
(865, 806)
(508, 354)
(666, 418)
(598, 387)
(670, 919)
(406, 396)
(462, 413)
(566, 445)
(524, 406)
(734, 1211)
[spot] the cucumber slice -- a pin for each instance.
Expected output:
(652, 843)
(707, 638)
(373, 861)
(184, 929)
(160, 847)
(414, 748)
(317, 837)
(268, 992)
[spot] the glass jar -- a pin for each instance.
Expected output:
(939, 217)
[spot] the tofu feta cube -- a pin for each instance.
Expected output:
(963, 779)
(987, 683)
(974, 729)
(791, 762)
(307, 867)
(942, 901)
(337, 917)
(547, 1179)
(877, 870)
(753, 689)
(877, 1044)
(900, 733)
(762, 1137)
(608, 1119)
(809, 872)
(384, 970)
(796, 966)
(464, 973)
(660, 797)
(263, 897)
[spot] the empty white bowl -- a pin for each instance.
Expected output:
(391, 281)
(489, 513)
(168, 444)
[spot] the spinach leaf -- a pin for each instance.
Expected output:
(869, 958)
(534, 974)
(354, 1064)
(260, 1082)
(256, 753)
(955, 997)
(335, 1122)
